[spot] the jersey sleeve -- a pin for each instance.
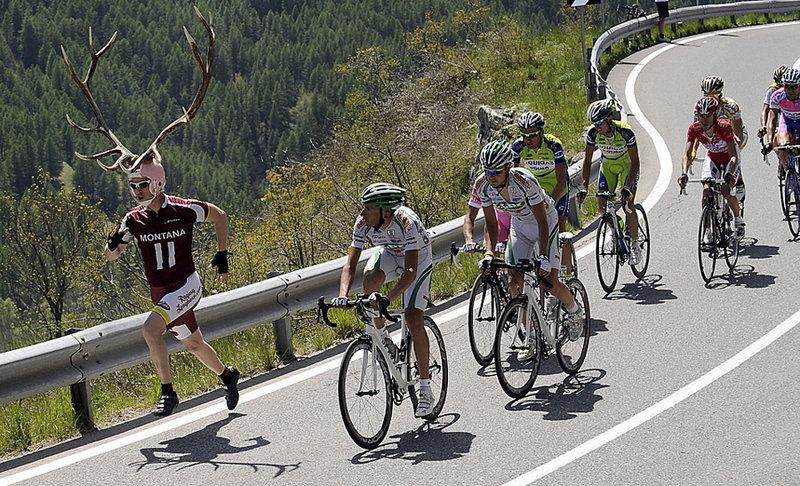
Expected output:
(200, 209)
(691, 135)
(591, 136)
(359, 233)
(516, 147)
(628, 136)
(774, 102)
(415, 236)
(477, 198)
(557, 148)
(533, 192)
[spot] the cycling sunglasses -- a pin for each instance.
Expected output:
(139, 185)
(791, 86)
(494, 172)
(531, 134)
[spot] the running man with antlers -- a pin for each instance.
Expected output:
(162, 227)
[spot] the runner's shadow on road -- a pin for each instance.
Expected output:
(749, 248)
(205, 447)
(563, 400)
(741, 276)
(645, 291)
(429, 442)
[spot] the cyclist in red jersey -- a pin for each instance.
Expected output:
(721, 161)
(162, 227)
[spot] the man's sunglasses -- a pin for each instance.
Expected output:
(139, 185)
(791, 86)
(494, 172)
(531, 134)
(597, 124)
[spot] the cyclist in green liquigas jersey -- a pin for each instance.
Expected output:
(543, 155)
(619, 166)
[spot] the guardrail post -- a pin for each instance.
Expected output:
(282, 333)
(733, 20)
(589, 78)
(81, 394)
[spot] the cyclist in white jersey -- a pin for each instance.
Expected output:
(534, 221)
(778, 84)
(405, 248)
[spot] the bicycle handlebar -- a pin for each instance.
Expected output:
(524, 265)
(359, 303)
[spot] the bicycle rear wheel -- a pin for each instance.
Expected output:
(571, 350)
(365, 394)
(484, 309)
(782, 188)
(792, 202)
(707, 244)
(437, 365)
(607, 253)
(516, 363)
(640, 270)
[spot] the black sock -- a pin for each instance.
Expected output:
(225, 376)
(166, 389)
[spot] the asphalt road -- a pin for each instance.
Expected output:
(733, 421)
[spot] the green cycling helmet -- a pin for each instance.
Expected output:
(383, 195)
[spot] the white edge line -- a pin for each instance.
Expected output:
(655, 195)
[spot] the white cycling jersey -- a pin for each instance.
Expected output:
(404, 233)
(524, 192)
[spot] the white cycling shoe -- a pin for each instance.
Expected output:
(424, 402)
(636, 254)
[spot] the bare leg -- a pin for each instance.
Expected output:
(414, 321)
(153, 330)
(198, 346)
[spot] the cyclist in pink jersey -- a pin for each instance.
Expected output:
(783, 126)
(162, 227)
(775, 86)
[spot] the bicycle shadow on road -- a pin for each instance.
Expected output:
(563, 400)
(645, 291)
(427, 443)
(741, 276)
(204, 447)
(749, 248)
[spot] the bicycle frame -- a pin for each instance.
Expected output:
(614, 204)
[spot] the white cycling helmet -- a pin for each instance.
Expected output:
(706, 105)
(778, 74)
(791, 76)
(600, 110)
(383, 195)
(496, 155)
(529, 121)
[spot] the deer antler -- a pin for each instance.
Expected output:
(205, 71)
(102, 126)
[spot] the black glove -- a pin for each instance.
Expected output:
(766, 149)
(220, 261)
(762, 131)
(115, 238)
(683, 179)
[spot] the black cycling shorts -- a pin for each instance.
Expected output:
(663, 9)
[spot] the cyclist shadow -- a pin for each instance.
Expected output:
(741, 276)
(645, 291)
(204, 447)
(563, 400)
(749, 248)
(428, 442)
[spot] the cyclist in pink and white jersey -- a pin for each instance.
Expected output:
(775, 86)
(784, 105)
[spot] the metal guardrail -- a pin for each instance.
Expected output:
(626, 29)
(119, 344)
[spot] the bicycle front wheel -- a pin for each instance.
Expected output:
(437, 365)
(573, 344)
(517, 348)
(792, 202)
(707, 244)
(483, 311)
(607, 253)
(782, 188)
(640, 270)
(731, 242)
(365, 394)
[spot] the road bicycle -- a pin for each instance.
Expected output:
(489, 296)
(377, 374)
(790, 190)
(716, 236)
(533, 326)
(613, 242)
(630, 11)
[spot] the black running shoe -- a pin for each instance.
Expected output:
(232, 389)
(166, 405)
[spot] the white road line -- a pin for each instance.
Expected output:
(655, 195)
(98, 448)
